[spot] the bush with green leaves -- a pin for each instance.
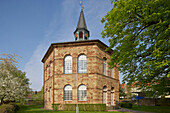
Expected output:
(9, 108)
(125, 105)
(82, 107)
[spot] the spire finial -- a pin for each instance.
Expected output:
(81, 3)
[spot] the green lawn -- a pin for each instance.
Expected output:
(37, 109)
(157, 109)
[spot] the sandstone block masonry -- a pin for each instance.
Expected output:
(100, 88)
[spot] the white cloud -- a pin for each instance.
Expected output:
(34, 67)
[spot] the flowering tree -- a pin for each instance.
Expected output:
(14, 85)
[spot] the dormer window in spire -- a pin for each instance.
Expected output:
(80, 35)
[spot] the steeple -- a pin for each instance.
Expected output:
(81, 32)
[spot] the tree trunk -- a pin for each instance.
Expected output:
(2, 100)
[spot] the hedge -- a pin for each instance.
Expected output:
(82, 107)
(9, 108)
(55, 106)
(125, 105)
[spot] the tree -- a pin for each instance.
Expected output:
(139, 33)
(38, 96)
(121, 91)
(14, 85)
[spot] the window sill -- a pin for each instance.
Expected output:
(82, 100)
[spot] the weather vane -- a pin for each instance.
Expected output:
(81, 3)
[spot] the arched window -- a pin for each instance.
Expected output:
(104, 66)
(50, 94)
(68, 65)
(47, 71)
(51, 70)
(47, 95)
(112, 96)
(104, 94)
(82, 64)
(80, 35)
(82, 93)
(112, 72)
(68, 92)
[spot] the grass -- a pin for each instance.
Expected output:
(157, 109)
(38, 109)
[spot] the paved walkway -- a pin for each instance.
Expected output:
(130, 111)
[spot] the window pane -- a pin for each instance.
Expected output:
(51, 69)
(68, 65)
(80, 35)
(82, 93)
(82, 64)
(104, 94)
(112, 98)
(47, 72)
(104, 97)
(50, 94)
(104, 66)
(68, 92)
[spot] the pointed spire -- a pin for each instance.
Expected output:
(81, 23)
(81, 32)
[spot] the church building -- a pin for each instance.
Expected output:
(78, 71)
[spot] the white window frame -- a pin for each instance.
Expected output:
(104, 66)
(68, 93)
(112, 96)
(82, 93)
(68, 64)
(47, 71)
(50, 94)
(104, 95)
(51, 69)
(82, 64)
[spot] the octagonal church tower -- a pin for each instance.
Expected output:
(78, 72)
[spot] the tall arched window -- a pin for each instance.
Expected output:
(112, 73)
(104, 66)
(47, 71)
(104, 94)
(51, 70)
(50, 94)
(68, 92)
(82, 64)
(112, 96)
(80, 34)
(82, 93)
(68, 65)
(47, 95)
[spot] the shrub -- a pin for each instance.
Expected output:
(9, 108)
(125, 105)
(55, 106)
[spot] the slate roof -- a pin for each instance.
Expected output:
(81, 23)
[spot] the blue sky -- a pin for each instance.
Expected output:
(28, 27)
